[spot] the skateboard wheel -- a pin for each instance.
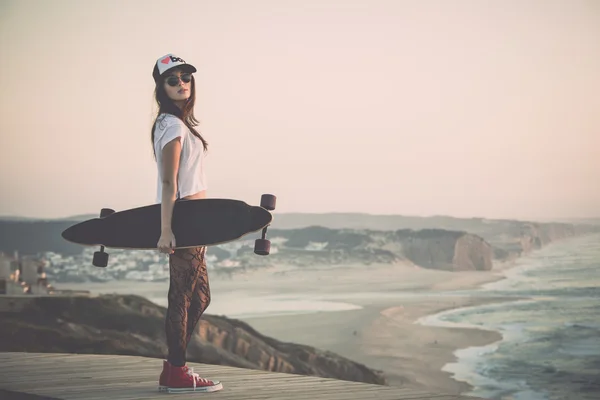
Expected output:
(100, 259)
(262, 247)
(268, 201)
(105, 212)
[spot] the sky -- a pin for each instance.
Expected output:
(465, 108)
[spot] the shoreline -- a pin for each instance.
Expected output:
(386, 335)
(451, 366)
(387, 338)
(455, 368)
(480, 337)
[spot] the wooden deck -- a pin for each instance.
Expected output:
(29, 376)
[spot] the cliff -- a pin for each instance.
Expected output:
(447, 250)
(427, 248)
(535, 236)
(132, 325)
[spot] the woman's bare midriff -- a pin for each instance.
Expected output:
(195, 196)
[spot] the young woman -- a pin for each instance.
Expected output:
(179, 152)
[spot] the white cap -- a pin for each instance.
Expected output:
(165, 63)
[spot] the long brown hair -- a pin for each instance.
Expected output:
(167, 106)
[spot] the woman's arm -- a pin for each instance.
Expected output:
(170, 167)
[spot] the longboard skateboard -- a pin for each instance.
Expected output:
(202, 222)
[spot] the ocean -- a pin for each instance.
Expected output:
(551, 333)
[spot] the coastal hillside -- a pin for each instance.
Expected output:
(506, 234)
(132, 325)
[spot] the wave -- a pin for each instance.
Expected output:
(550, 345)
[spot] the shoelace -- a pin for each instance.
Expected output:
(190, 372)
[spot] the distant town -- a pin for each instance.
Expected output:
(35, 274)
(26, 275)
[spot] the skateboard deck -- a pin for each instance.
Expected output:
(202, 222)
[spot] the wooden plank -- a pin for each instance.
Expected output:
(90, 377)
(240, 393)
(76, 365)
(60, 370)
(41, 358)
(329, 391)
(141, 391)
(18, 358)
(65, 361)
(132, 392)
(152, 370)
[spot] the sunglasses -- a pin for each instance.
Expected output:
(173, 80)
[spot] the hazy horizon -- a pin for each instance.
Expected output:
(583, 220)
(385, 107)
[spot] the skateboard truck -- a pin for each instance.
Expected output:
(262, 246)
(101, 257)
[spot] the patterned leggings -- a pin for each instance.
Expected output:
(189, 296)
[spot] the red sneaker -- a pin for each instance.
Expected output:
(164, 377)
(183, 379)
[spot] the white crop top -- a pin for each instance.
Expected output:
(191, 178)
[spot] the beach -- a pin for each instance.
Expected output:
(383, 333)
(387, 339)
